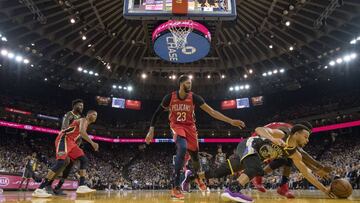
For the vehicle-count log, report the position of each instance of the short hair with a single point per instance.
(90, 112)
(307, 124)
(76, 101)
(299, 127)
(183, 78)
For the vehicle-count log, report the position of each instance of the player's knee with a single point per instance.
(84, 161)
(252, 172)
(58, 165)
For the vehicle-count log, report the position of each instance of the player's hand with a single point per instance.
(329, 193)
(278, 142)
(238, 123)
(149, 136)
(95, 146)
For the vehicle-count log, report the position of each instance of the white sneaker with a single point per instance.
(42, 193)
(83, 189)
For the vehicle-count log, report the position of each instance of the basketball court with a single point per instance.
(303, 196)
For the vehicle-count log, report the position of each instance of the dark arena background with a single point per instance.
(236, 62)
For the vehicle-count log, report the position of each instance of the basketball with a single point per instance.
(341, 188)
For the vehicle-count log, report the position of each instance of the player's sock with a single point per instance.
(284, 180)
(82, 181)
(59, 185)
(45, 183)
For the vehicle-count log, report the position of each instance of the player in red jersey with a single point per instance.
(66, 147)
(181, 105)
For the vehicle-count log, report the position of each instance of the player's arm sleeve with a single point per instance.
(164, 105)
(198, 100)
(66, 120)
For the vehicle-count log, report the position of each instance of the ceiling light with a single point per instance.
(125, 88)
(325, 67)
(4, 39)
(353, 41)
(129, 88)
(91, 72)
(83, 37)
(89, 45)
(4, 52)
(26, 61)
(242, 87)
(270, 46)
(191, 77)
(45, 79)
(245, 76)
(120, 87)
(247, 87)
(332, 63)
(173, 77)
(282, 70)
(269, 73)
(339, 60)
(223, 76)
(291, 48)
(80, 69)
(108, 67)
(18, 58)
(96, 74)
(11, 55)
(237, 88)
(250, 71)
(114, 86)
(231, 88)
(209, 76)
(358, 38)
(287, 23)
(353, 55)
(72, 21)
(32, 65)
(347, 58)
(143, 76)
(85, 71)
(275, 71)
(264, 74)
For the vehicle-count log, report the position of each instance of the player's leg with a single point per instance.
(252, 166)
(77, 153)
(181, 147)
(62, 147)
(65, 174)
(286, 164)
(60, 172)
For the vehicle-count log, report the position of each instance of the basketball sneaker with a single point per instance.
(176, 194)
(185, 184)
(83, 189)
(258, 183)
(42, 193)
(59, 192)
(201, 185)
(284, 191)
(236, 196)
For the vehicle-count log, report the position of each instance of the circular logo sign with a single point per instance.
(4, 181)
(196, 48)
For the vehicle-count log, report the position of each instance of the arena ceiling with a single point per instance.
(300, 36)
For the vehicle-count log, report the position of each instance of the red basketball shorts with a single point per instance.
(66, 147)
(187, 132)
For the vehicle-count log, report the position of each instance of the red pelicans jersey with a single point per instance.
(275, 125)
(181, 111)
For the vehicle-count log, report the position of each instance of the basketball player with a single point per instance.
(286, 164)
(29, 170)
(271, 144)
(66, 147)
(69, 117)
(181, 105)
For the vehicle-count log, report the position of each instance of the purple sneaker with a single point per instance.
(185, 184)
(235, 196)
